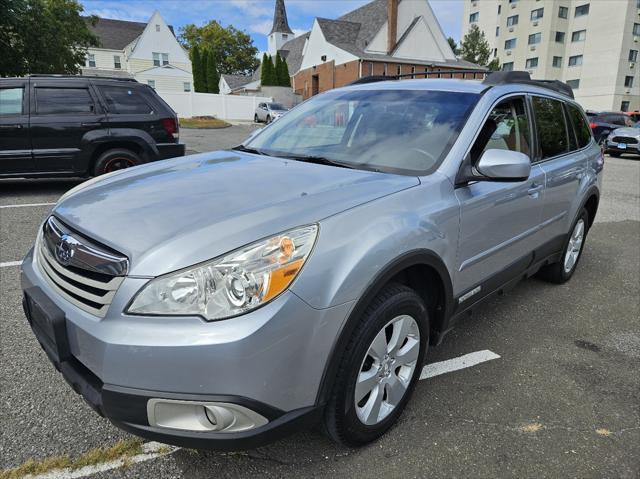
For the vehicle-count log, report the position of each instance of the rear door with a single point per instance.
(15, 143)
(561, 156)
(499, 220)
(64, 113)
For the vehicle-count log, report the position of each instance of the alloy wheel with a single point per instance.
(574, 247)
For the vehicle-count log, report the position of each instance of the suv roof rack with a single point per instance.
(507, 78)
(416, 75)
(88, 77)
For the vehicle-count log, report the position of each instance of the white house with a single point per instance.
(148, 52)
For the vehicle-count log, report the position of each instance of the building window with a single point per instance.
(513, 1)
(559, 37)
(285, 36)
(413, 72)
(628, 81)
(370, 69)
(152, 83)
(575, 60)
(91, 60)
(575, 84)
(624, 106)
(510, 44)
(160, 59)
(579, 36)
(473, 18)
(507, 67)
(497, 31)
(535, 38)
(157, 27)
(532, 62)
(186, 86)
(636, 29)
(500, 8)
(495, 53)
(385, 70)
(557, 62)
(116, 62)
(581, 10)
(537, 14)
(513, 20)
(633, 56)
(563, 12)
(399, 70)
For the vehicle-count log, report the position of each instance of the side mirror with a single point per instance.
(504, 165)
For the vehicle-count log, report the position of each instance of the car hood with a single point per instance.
(627, 131)
(172, 214)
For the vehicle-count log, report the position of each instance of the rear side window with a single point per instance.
(583, 133)
(63, 101)
(11, 101)
(125, 101)
(552, 129)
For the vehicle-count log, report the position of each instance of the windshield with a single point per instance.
(395, 131)
(277, 107)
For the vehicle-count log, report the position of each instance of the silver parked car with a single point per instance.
(623, 141)
(268, 112)
(224, 299)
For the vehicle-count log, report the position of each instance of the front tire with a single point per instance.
(256, 119)
(268, 119)
(116, 159)
(562, 271)
(380, 367)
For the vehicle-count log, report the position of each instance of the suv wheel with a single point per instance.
(379, 368)
(562, 271)
(256, 119)
(113, 160)
(268, 119)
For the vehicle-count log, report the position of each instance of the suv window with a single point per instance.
(11, 101)
(122, 100)
(583, 132)
(552, 128)
(63, 100)
(507, 128)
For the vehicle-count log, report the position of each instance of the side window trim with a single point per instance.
(572, 127)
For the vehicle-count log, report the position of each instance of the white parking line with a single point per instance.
(26, 205)
(10, 264)
(455, 364)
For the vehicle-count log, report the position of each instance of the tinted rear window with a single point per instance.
(63, 100)
(583, 132)
(11, 101)
(552, 130)
(123, 100)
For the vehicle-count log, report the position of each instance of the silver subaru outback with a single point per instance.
(225, 299)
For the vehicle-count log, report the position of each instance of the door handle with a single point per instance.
(11, 127)
(91, 124)
(535, 190)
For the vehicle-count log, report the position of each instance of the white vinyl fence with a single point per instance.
(225, 107)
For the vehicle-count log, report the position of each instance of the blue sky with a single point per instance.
(254, 16)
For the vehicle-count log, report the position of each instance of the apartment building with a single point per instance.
(593, 45)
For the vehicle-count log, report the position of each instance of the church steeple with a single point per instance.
(280, 32)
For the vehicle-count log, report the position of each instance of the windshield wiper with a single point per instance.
(246, 149)
(318, 160)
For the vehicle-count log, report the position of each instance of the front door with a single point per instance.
(15, 144)
(499, 220)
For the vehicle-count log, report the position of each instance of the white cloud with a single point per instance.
(264, 28)
(254, 8)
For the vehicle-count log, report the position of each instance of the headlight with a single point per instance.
(230, 285)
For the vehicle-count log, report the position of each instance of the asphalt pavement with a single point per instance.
(563, 399)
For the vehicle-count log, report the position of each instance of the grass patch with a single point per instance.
(121, 450)
(203, 122)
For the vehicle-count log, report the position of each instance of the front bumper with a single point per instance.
(271, 361)
(631, 148)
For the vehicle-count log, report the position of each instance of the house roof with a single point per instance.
(292, 52)
(280, 22)
(371, 18)
(237, 81)
(117, 34)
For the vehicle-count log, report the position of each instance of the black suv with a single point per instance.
(82, 126)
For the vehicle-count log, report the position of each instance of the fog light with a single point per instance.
(202, 416)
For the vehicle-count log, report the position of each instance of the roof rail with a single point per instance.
(429, 74)
(89, 77)
(506, 78)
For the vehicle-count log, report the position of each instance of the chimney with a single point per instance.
(392, 30)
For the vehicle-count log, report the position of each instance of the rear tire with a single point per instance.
(562, 271)
(381, 364)
(268, 120)
(116, 159)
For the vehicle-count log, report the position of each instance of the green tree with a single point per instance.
(213, 79)
(43, 36)
(198, 73)
(268, 75)
(282, 72)
(263, 69)
(494, 65)
(453, 45)
(233, 50)
(475, 47)
(205, 63)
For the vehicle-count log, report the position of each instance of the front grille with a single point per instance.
(624, 139)
(86, 276)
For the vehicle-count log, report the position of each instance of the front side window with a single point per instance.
(473, 18)
(532, 62)
(582, 10)
(511, 21)
(563, 12)
(405, 132)
(559, 37)
(537, 14)
(552, 129)
(575, 60)
(557, 62)
(580, 126)
(507, 128)
(535, 38)
(122, 100)
(116, 62)
(11, 101)
(579, 36)
(63, 101)
(91, 60)
(507, 67)
(510, 44)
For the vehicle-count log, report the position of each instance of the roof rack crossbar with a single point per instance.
(505, 78)
(90, 77)
(431, 73)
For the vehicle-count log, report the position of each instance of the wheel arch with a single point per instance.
(422, 270)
